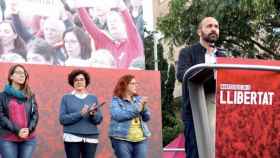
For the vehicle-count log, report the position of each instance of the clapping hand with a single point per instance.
(84, 110)
(92, 109)
(143, 102)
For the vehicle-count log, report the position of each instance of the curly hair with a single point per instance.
(122, 84)
(73, 74)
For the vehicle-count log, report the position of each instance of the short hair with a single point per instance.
(122, 84)
(73, 74)
(201, 22)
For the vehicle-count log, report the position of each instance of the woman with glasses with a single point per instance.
(18, 116)
(129, 114)
(80, 117)
(77, 47)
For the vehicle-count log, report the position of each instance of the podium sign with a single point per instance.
(248, 111)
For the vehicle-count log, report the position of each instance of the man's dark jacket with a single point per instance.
(189, 57)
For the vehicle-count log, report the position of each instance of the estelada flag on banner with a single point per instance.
(248, 111)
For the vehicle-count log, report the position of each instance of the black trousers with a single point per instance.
(80, 149)
(190, 140)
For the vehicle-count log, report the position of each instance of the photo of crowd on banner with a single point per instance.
(90, 33)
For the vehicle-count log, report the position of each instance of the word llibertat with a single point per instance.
(246, 97)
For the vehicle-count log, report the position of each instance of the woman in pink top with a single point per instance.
(124, 42)
(18, 116)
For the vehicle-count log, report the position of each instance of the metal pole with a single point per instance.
(155, 51)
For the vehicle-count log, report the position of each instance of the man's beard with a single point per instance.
(210, 38)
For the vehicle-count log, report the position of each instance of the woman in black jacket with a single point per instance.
(18, 116)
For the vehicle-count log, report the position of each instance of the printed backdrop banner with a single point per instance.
(50, 83)
(107, 34)
(39, 7)
(248, 111)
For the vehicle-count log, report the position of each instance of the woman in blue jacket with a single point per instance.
(79, 117)
(129, 113)
(18, 116)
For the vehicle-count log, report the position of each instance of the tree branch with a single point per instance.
(263, 47)
(235, 43)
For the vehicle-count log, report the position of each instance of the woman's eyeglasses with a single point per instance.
(79, 79)
(20, 73)
(134, 83)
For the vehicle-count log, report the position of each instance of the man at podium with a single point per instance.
(204, 51)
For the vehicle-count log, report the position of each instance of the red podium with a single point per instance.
(247, 102)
